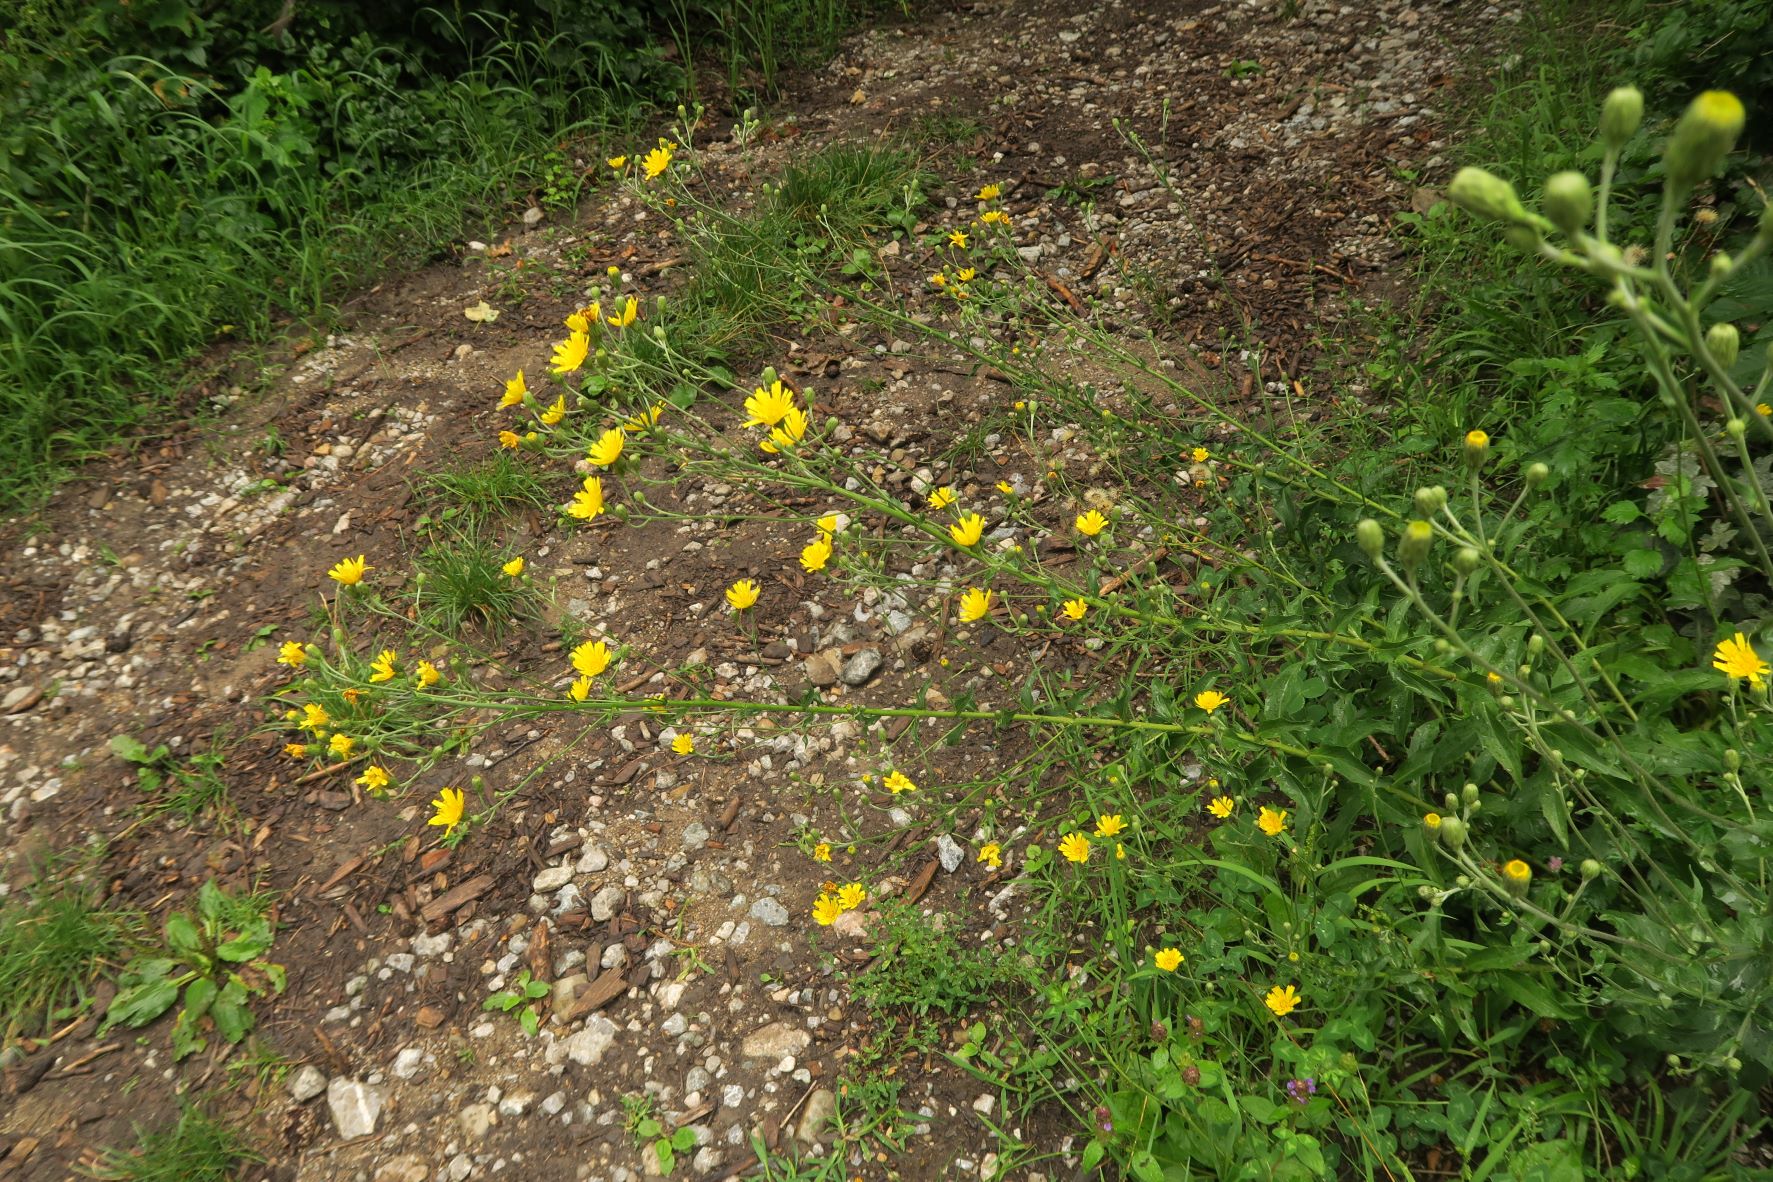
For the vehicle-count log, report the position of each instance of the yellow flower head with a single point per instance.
(580, 689)
(447, 809)
(349, 571)
(340, 745)
(292, 654)
(1517, 872)
(608, 448)
(815, 554)
(1075, 847)
(827, 525)
(626, 315)
(570, 354)
(296, 750)
(768, 407)
(374, 778)
(1272, 821)
(1168, 959)
(645, 418)
(1110, 824)
(315, 717)
(656, 162)
(509, 439)
(1282, 1000)
(966, 274)
(995, 217)
(942, 497)
(1221, 806)
(851, 896)
(555, 412)
(939, 279)
(899, 782)
(351, 694)
(591, 658)
(826, 910)
(990, 192)
(428, 675)
(1737, 658)
(742, 594)
(588, 501)
(991, 854)
(790, 431)
(515, 392)
(1006, 488)
(684, 743)
(514, 567)
(1431, 821)
(958, 238)
(1090, 524)
(822, 852)
(1201, 455)
(968, 530)
(1210, 700)
(617, 162)
(1763, 409)
(382, 668)
(1073, 609)
(974, 605)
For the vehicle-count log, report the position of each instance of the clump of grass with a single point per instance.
(924, 967)
(497, 486)
(848, 189)
(53, 946)
(462, 585)
(197, 1147)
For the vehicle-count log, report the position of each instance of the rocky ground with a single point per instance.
(663, 898)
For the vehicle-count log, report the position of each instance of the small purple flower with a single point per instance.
(1554, 864)
(1104, 1120)
(1301, 1089)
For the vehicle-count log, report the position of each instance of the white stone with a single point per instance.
(355, 1105)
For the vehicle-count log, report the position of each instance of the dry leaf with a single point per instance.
(483, 313)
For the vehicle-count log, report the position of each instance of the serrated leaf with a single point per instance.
(1622, 512)
(1641, 564)
(129, 748)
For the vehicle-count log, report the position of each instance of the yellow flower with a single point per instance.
(826, 910)
(340, 745)
(292, 654)
(1517, 872)
(591, 658)
(899, 782)
(974, 605)
(1221, 806)
(815, 554)
(827, 525)
(296, 750)
(1431, 821)
(789, 432)
(629, 311)
(768, 407)
(822, 852)
(958, 238)
(608, 448)
(1210, 700)
(578, 322)
(382, 668)
(580, 689)
(684, 743)
(1109, 824)
(1120, 851)
(1201, 455)
(1762, 409)
(315, 717)
(617, 162)
(514, 567)
(1090, 524)
(1737, 658)
(942, 497)
(995, 217)
(588, 501)
(447, 809)
(515, 392)
(351, 694)
(570, 353)
(428, 675)
(991, 854)
(742, 594)
(1168, 959)
(555, 412)
(1073, 609)
(1272, 821)
(1075, 847)
(1282, 1000)
(1006, 488)
(656, 162)
(990, 192)
(349, 571)
(965, 274)
(939, 279)
(851, 896)
(968, 530)
(374, 778)
(509, 439)
(645, 418)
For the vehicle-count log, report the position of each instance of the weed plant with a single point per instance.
(197, 1147)
(56, 940)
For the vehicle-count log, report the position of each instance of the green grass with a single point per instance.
(499, 486)
(197, 1147)
(55, 942)
(463, 587)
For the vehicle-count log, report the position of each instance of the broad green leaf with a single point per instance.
(142, 1004)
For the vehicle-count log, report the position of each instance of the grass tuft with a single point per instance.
(197, 1147)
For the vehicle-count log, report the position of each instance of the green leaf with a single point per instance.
(1622, 512)
(666, 1155)
(182, 935)
(1642, 564)
(529, 1020)
(501, 1001)
(649, 1127)
(536, 989)
(245, 946)
(130, 748)
(232, 1020)
(138, 1006)
(198, 996)
(684, 1139)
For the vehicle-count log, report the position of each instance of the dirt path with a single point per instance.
(663, 897)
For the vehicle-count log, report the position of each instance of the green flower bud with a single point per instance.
(1371, 537)
(770, 376)
(1506, 701)
(1451, 802)
(1462, 881)
(1467, 560)
(1537, 474)
(1477, 448)
(1724, 342)
(1568, 201)
(1621, 114)
(1737, 428)
(1412, 547)
(1732, 759)
(340, 639)
(1522, 238)
(1469, 792)
(1486, 195)
(1721, 266)
(1704, 135)
(1430, 501)
(1535, 644)
(1452, 833)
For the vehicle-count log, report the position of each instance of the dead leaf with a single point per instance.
(481, 313)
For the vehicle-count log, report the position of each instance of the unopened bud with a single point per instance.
(770, 375)
(1191, 1075)
(1704, 135)
(339, 639)
(1370, 537)
(1736, 427)
(1537, 474)
(1467, 560)
(1487, 195)
(1568, 201)
(1412, 546)
(1469, 792)
(1452, 833)
(1621, 114)
(1732, 759)
(1721, 266)
(1535, 644)
(1589, 868)
(1724, 342)
(1477, 448)
(1430, 501)
(1451, 801)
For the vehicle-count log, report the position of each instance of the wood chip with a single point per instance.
(609, 985)
(429, 1017)
(921, 882)
(438, 908)
(351, 866)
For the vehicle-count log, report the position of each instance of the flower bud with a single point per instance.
(1568, 201)
(1737, 427)
(1537, 475)
(1724, 342)
(1191, 1075)
(1732, 759)
(1535, 644)
(1589, 868)
(1703, 136)
(1467, 560)
(1451, 801)
(1452, 833)
(1431, 821)
(1721, 266)
(340, 639)
(1412, 547)
(1469, 793)
(1522, 238)
(1370, 537)
(1486, 195)
(1462, 881)
(1621, 114)
(1516, 876)
(770, 376)
(1477, 448)
(1430, 501)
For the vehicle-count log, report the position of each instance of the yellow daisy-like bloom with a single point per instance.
(608, 448)
(942, 497)
(1090, 524)
(588, 501)
(684, 743)
(515, 392)
(822, 852)
(1110, 824)
(296, 750)
(851, 896)
(742, 594)
(968, 530)
(790, 431)
(1737, 658)
(827, 525)
(1201, 455)
(1006, 488)
(1075, 847)
(899, 782)
(1210, 700)
(428, 675)
(815, 554)
(656, 162)
(374, 778)
(768, 407)
(514, 567)
(645, 418)
(1764, 410)
(826, 910)
(1282, 1000)
(579, 322)
(382, 668)
(991, 854)
(617, 162)
(555, 412)
(591, 658)
(1168, 959)
(1431, 821)
(1272, 821)
(1073, 609)
(349, 571)
(958, 238)
(1517, 872)
(509, 439)
(995, 217)
(580, 689)
(447, 809)
(292, 654)
(939, 279)
(966, 274)
(570, 354)
(1221, 806)
(351, 694)
(974, 605)
(630, 310)
(340, 745)
(1477, 439)
(990, 192)
(314, 717)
